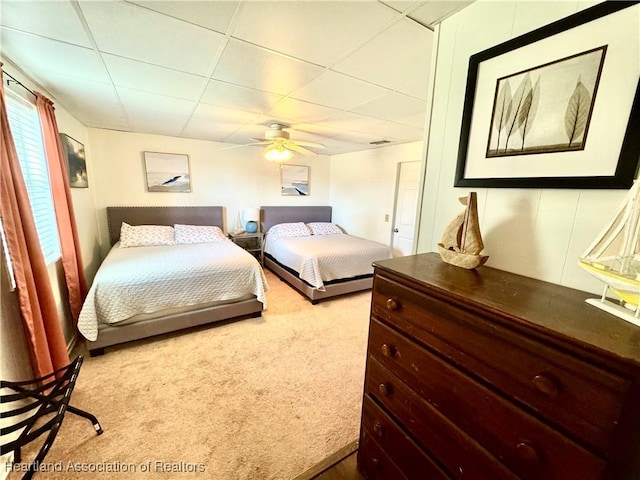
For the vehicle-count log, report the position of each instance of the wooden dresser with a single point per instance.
(489, 375)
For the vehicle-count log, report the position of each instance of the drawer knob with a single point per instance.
(384, 389)
(379, 429)
(546, 385)
(392, 304)
(527, 453)
(388, 350)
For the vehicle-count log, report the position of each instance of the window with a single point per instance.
(27, 136)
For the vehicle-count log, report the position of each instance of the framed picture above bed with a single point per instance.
(294, 180)
(167, 172)
(558, 107)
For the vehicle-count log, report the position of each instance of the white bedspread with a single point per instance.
(320, 258)
(138, 280)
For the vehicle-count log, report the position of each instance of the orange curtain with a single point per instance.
(58, 176)
(47, 345)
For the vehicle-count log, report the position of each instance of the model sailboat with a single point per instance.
(461, 242)
(614, 258)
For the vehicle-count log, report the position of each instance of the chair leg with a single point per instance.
(87, 415)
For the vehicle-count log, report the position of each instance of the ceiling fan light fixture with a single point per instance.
(277, 153)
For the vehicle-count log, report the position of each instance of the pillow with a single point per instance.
(198, 234)
(145, 235)
(324, 228)
(298, 229)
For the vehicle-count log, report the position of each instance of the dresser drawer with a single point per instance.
(524, 444)
(374, 463)
(457, 452)
(579, 397)
(409, 458)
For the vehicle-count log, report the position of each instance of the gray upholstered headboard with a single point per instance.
(271, 216)
(161, 216)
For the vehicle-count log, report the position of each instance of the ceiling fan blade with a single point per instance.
(309, 144)
(244, 145)
(262, 140)
(299, 149)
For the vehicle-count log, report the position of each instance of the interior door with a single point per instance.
(404, 218)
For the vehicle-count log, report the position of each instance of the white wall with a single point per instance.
(538, 233)
(363, 188)
(234, 178)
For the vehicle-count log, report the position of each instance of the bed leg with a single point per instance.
(256, 314)
(96, 352)
(315, 302)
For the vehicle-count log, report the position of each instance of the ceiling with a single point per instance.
(340, 73)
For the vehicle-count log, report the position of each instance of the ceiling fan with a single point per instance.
(280, 147)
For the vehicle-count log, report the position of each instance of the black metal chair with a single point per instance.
(39, 406)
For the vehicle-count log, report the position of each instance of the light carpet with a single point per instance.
(263, 398)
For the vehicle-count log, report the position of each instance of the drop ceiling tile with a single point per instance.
(130, 31)
(394, 58)
(153, 79)
(395, 131)
(338, 90)
(224, 115)
(319, 32)
(434, 11)
(305, 132)
(401, 5)
(144, 121)
(356, 137)
(106, 124)
(350, 121)
(334, 146)
(392, 106)
(37, 53)
(106, 116)
(78, 94)
(35, 17)
(300, 111)
(416, 120)
(245, 134)
(214, 15)
(233, 96)
(206, 129)
(109, 114)
(418, 89)
(256, 68)
(315, 130)
(136, 99)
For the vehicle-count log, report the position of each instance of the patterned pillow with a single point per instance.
(198, 234)
(298, 229)
(145, 235)
(324, 228)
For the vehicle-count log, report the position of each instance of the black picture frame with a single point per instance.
(73, 151)
(629, 156)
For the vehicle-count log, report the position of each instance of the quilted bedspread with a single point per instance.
(138, 280)
(320, 258)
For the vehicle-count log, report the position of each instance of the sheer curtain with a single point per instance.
(65, 218)
(47, 346)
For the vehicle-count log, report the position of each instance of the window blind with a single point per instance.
(27, 136)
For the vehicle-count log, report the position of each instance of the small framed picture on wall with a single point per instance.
(294, 180)
(167, 172)
(76, 162)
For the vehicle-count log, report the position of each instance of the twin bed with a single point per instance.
(147, 288)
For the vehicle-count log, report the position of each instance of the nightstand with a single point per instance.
(251, 242)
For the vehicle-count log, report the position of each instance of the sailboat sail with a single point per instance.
(614, 258)
(461, 241)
